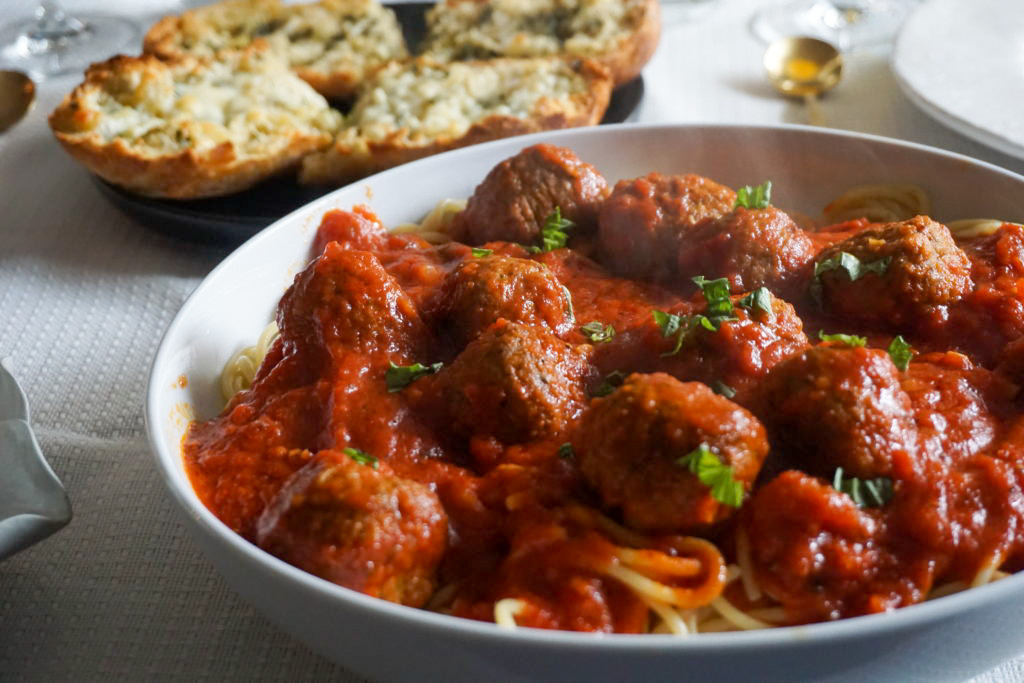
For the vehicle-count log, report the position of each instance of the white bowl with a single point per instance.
(947, 639)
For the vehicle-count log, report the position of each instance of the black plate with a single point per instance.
(235, 218)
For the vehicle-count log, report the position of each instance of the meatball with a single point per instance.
(358, 526)
(736, 357)
(906, 270)
(356, 229)
(630, 442)
(1011, 362)
(822, 557)
(833, 406)
(953, 404)
(964, 515)
(518, 194)
(751, 247)
(514, 382)
(345, 301)
(644, 221)
(482, 290)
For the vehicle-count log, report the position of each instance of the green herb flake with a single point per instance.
(715, 474)
(361, 457)
(756, 197)
(681, 326)
(597, 332)
(850, 340)
(669, 323)
(479, 252)
(399, 377)
(866, 493)
(673, 324)
(555, 232)
(853, 266)
(758, 300)
(565, 451)
(612, 381)
(901, 352)
(716, 294)
(722, 389)
(719, 309)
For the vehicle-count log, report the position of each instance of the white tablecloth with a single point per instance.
(85, 294)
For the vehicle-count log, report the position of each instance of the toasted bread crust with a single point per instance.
(186, 175)
(355, 155)
(291, 31)
(635, 50)
(205, 166)
(484, 29)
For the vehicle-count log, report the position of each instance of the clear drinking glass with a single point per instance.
(847, 24)
(55, 42)
(686, 10)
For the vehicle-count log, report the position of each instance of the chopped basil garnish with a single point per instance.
(900, 351)
(847, 339)
(722, 389)
(555, 233)
(854, 267)
(672, 324)
(680, 325)
(597, 332)
(479, 252)
(758, 300)
(399, 377)
(565, 451)
(361, 457)
(716, 294)
(715, 474)
(866, 493)
(612, 381)
(756, 197)
(719, 309)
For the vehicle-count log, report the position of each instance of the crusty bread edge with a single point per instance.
(159, 39)
(337, 85)
(634, 51)
(349, 160)
(187, 174)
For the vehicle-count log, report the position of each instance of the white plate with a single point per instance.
(962, 62)
(947, 639)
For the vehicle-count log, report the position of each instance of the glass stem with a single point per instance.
(53, 25)
(849, 12)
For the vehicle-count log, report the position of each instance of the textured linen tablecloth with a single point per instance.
(85, 295)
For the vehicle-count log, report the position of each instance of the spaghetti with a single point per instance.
(241, 368)
(436, 226)
(970, 228)
(878, 203)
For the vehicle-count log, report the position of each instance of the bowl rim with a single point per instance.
(918, 615)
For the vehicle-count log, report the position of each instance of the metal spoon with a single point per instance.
(804, 67)
(17, 93)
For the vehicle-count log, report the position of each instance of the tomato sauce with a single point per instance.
(494, 503)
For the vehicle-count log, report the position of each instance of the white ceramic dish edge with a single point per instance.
(253, 572)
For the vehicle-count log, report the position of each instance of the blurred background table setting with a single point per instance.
(87, 290)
